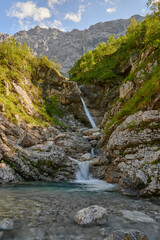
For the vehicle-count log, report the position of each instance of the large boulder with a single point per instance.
(92, 215)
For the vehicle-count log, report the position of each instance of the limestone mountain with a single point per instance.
(68, 47)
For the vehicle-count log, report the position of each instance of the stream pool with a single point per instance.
(43, 211)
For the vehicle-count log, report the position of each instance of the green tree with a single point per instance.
(154, 5)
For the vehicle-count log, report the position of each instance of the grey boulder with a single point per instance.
(92, 215)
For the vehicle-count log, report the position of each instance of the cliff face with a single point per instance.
(67, 47)
(132, 128)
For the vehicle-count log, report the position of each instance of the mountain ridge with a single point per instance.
(72, 44)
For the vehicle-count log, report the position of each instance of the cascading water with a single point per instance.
(88, 114)
(82, 175)
(83, 171)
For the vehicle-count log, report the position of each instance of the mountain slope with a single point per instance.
(67, 47)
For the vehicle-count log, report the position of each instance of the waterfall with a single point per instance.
(83, 171)
(92, 152)
(88, 114)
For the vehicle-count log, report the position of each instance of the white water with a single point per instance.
(92, 152)
(88, 114)
(84, 177)
(83, 171)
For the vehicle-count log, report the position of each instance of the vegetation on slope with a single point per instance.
(100, 64)
(106, 63)
(19, 66)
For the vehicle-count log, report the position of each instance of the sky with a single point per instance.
(16, 15)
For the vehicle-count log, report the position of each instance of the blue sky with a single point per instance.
(16, 15)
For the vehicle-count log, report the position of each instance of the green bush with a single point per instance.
(52, 106)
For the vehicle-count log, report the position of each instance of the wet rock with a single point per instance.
(73, 143)
(131, 235)
(7, 174)
(6, 224)
(91, 131)
(92, 215)
(134, 181)
(136, 216)
(86, 157)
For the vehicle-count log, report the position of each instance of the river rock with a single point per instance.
(136, 216)
(135, 180)
(130, 235)
(92, 215)
(6, 224)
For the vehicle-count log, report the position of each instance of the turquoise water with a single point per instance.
(46, 211)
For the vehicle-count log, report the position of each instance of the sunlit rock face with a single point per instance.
(70, 46)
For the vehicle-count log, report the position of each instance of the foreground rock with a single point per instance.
(92, 215)
(136, 216)
(131, 235)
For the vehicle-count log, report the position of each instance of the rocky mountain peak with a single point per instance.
(67, 47)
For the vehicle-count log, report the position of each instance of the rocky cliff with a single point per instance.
(132, 128)
(67, 47)
(39, 131)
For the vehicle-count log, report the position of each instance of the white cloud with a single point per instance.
(51, 3)
(29, 9)
(57, 24)
(111, 10)
(109, 1)
(75, 17)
